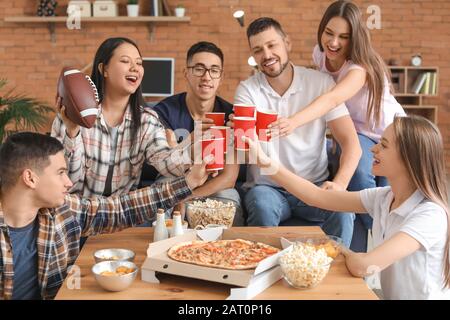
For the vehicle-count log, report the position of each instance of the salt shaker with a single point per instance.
(160, 230)
(177, 226)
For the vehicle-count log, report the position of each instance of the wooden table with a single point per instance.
(338, 284)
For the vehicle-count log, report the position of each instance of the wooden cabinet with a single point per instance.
(413, 85)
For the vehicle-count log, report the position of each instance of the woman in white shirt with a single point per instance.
(411, 217)
(345, 52)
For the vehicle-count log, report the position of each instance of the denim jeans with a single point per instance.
(363, 177)
(268, 206)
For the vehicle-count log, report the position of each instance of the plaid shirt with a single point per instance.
(89, 154)
(60, 229)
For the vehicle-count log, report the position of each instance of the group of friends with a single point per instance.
(79, 182)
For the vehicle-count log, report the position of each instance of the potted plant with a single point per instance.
(18, 112)
(133, 8)
(179, 11)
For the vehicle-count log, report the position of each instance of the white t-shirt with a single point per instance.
(418, 276)
(303, 151)
(357, 105)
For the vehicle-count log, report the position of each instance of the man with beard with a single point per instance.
(285, 88)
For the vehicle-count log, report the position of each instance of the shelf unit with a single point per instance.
(52, 21)
(403, 79)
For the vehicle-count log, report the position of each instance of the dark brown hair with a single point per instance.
(25, 150)
(262, 24)
(204, 46)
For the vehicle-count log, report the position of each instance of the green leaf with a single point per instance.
(19, 112)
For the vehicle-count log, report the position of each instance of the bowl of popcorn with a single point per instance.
(208, 211)
(113, 254)
(303, 266)
(115, 275)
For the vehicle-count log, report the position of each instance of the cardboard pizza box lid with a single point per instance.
(158, 260)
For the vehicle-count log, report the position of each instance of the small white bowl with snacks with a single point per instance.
(114, 254)
(115, 275)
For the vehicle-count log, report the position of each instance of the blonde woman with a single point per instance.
(410, 218)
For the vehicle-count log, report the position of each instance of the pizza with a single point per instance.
(235, 254)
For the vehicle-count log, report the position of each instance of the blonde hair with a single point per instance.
(420, 145)
(361, 53)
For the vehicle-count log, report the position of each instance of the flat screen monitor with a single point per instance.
(158, 77)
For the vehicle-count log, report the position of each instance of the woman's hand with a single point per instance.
(281, 127)
(72, 128)
(331, 185)
(256, 154)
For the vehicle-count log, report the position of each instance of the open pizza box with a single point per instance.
(251, 282)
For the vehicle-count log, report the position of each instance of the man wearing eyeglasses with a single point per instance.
(203, 74)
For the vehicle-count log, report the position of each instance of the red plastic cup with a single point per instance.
(243, 126)
(222, 132)
(263, 119)
(217, 117)
(213, 146)
(244, 110)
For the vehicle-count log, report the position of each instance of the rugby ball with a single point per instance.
(79, 95)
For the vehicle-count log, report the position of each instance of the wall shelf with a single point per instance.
(404, 80)
(51, 21)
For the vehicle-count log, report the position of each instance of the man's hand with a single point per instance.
(331, 185)
(72, 128)
(281, 127)
(206, 124)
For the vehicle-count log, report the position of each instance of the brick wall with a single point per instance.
(32, 62)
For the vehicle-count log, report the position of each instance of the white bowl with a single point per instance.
(303, 266)
(114, 282)
(114, 254)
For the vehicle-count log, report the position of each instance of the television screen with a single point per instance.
(158, 77)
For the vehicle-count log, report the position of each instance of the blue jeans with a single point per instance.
(363, 177)
(268, 206)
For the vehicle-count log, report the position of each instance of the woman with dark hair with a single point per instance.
(107, 159)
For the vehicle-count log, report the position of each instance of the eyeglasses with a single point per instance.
(199, 71)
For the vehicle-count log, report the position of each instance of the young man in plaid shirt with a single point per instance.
(41, 223)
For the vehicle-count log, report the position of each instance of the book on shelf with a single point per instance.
(418, 84)
(433, 89)
(425, 83)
